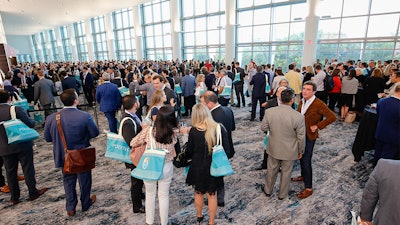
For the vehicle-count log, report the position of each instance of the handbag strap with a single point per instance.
(122, 124)
(219, 136)
(12, 112)
(60, 130)
(122, 85)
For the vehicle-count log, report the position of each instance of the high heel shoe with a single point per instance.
(199, 219)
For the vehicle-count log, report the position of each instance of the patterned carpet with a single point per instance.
(338, 183)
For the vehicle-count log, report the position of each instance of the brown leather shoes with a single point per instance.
(20, 178)
(92, 199)
(71, 213)
(5, 189)
(299, 178)
(38, 194)
(305, 193)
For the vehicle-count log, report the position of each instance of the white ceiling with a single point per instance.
(27, 17)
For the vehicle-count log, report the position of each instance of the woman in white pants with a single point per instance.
(165, 134)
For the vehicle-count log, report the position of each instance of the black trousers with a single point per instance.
(189, 102)
(11, 165)
(89, 96)
(254, 107)
(2, 179)
(240, 94)
(322, 95)
(136, 189)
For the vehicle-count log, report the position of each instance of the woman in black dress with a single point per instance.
(202, 139)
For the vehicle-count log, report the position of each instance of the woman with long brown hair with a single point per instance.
(165, 133)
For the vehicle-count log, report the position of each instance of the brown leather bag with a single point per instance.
(137, 152)
(79, 160)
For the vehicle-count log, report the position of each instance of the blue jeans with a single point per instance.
(305, 163)
(112, 121)
(85, 185)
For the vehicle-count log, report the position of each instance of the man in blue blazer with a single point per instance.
(109, 98)
(259, 82)
(387, 144)
(79, 127)
(87, 84)
(69, 81)
(17, 153)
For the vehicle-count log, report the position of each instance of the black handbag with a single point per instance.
(181, 160)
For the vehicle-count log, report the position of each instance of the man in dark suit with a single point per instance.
(239, 85)
(158, 84)
(259, 82)
(210, 79)
(382, 187)
(79, 127)
(387, 131)
(269, 104)
(109, 98)
(13, 154)
(223, 115)
(129, 131)
(27, 86)
(87, 84)
(69, 81)
(44, 91)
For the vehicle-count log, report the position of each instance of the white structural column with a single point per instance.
(73, 43)
(59, 44)
(89, 39)
(34, 56)
(49, 48)
(230, 27)
(109, 36)
(39, 47)
(3, 38)
(175, 29)
(137, 24)
(311, 34)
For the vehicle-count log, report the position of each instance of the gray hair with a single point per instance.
(105, 76)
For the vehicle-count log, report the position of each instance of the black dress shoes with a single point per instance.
(140, 210)
(221, 204)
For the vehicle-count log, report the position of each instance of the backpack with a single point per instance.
(328, 83)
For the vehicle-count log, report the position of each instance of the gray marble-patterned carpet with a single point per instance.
(338, 185)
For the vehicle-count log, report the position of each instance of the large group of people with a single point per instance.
(161, 93)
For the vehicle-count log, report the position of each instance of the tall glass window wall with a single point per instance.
(157, 30)
(203, 29)
(66, 43)
(80, 40)
(364, 29)
(99, 38)
(36, 49)
(270, 31)
(124, 34)
(44, 47)
(54, 46)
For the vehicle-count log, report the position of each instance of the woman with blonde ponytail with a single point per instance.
(202, 139)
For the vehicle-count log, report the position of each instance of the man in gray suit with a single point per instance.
(286, 142)
(44, 91)
(382, 186)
